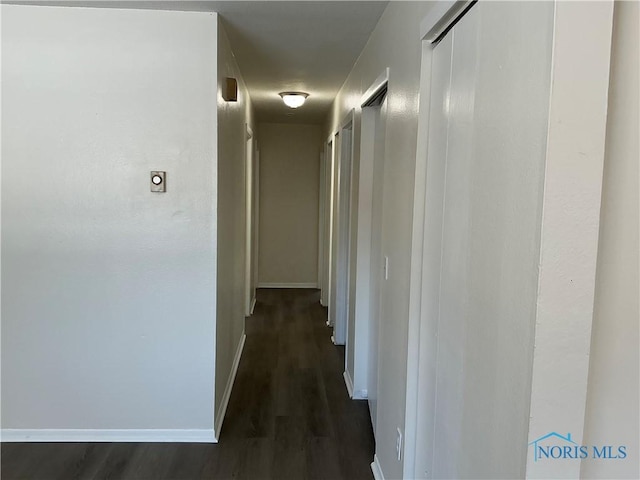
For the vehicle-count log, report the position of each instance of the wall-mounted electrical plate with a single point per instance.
(158, 181)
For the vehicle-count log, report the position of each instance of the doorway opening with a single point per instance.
(331, 239)
(251, 225)
(363, 301)
(342, 234)
(325, 219)
(369, 306)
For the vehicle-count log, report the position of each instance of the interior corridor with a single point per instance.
(307, 239)
(289, 416)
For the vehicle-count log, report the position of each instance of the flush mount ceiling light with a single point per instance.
(294, 99)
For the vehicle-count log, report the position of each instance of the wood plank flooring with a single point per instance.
(289, 416)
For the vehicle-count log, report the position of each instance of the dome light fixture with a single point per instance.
(294, 99)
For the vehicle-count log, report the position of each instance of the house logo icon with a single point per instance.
(556, 439)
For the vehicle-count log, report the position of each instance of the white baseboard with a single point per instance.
(217, 427)
(287, 285)
(375, 468)
(348, 382)
(107, 435)
(253, 304)
(353, 394)
(360, 394)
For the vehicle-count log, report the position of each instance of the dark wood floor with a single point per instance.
(289, 416)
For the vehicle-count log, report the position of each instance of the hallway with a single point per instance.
(289, 416)
(307, 239)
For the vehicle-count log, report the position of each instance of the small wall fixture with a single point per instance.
(158, 181)
(230, 90)
(294, 99)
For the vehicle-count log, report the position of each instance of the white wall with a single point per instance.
(108, 299)
(289, 192)
(612, 399)
(232, 120)
(395, 44)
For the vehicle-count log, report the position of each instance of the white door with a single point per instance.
(376, 263)
(487, 125)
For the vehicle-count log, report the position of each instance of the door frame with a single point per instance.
(326, 227)
(329, 212)
(344, 198)
(256, 224)
(357, 375)
(321, 223)
(249, 221)
(335, 192)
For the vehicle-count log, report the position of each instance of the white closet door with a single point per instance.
(435, 178)
(376, 272)
(487, 137)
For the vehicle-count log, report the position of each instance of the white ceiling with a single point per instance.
(282, 45)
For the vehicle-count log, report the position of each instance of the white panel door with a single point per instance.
(436, 167)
